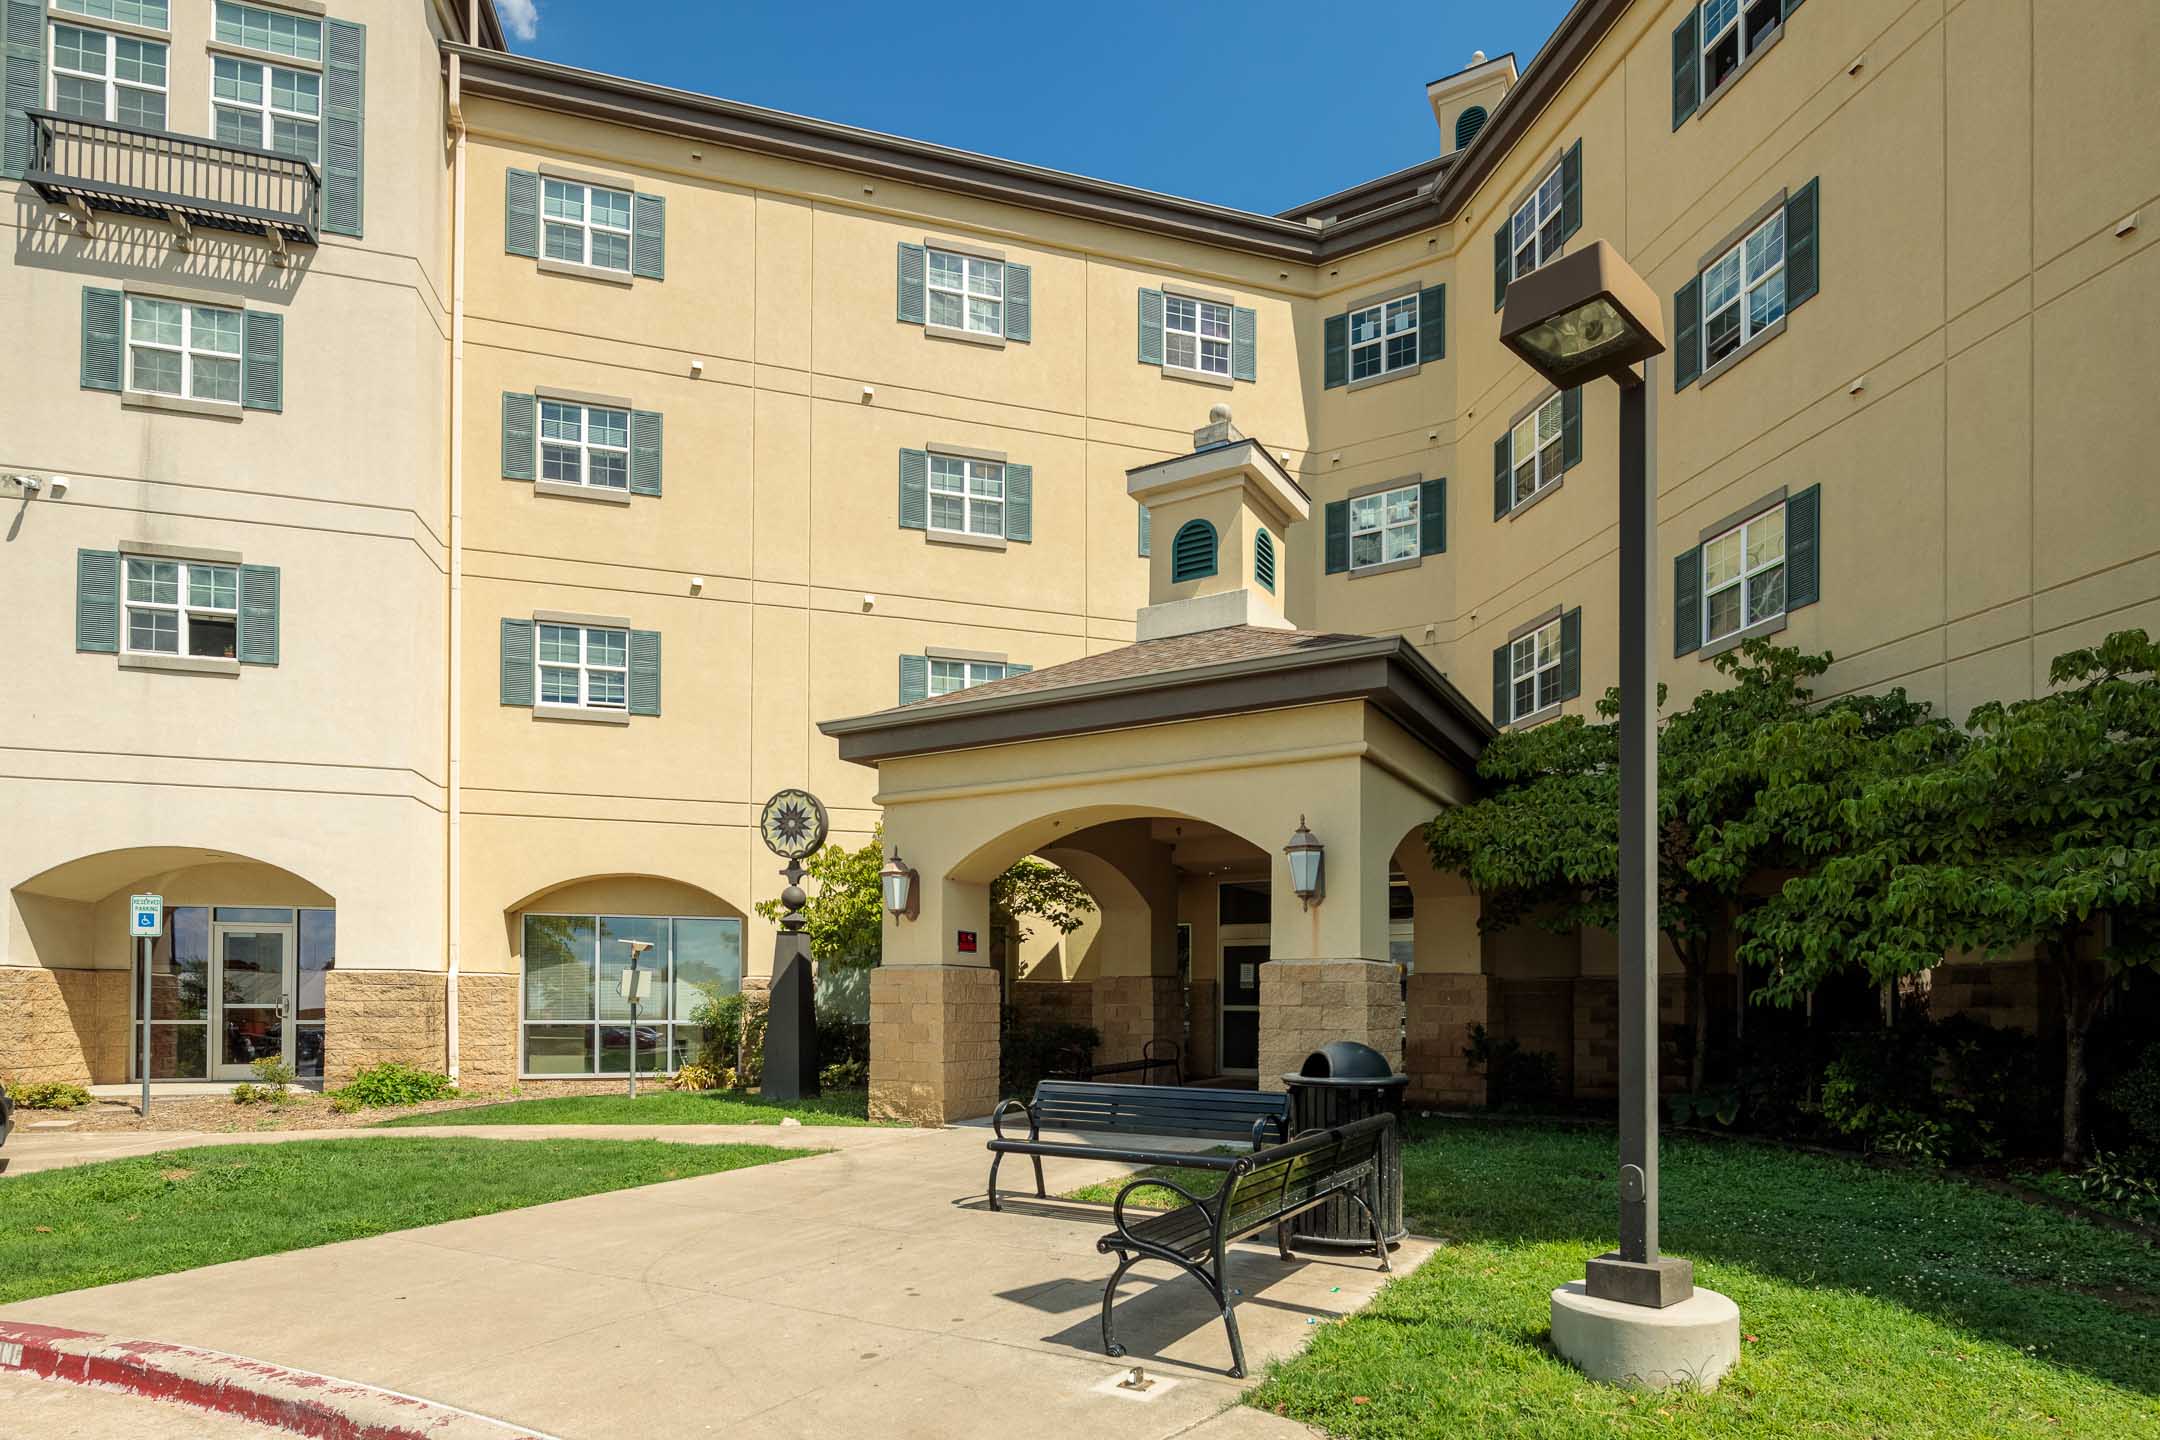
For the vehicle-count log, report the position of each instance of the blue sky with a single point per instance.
(1262, 105)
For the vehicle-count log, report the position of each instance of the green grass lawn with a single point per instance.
(659, 1107)
(118, 1220)
(1873, 1303)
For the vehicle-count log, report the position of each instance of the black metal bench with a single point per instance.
(1255, 1117)
(1268, 1188)
(1155, 1056)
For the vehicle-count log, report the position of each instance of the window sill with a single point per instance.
(564, 490)
(1197, 377)
(1538, 717)
(181, 664)
(179, 405)
(1381, 379)
(1740, 637)
(257, 57)
(580, 713)
(1361, 572)
(587, 272)
(970, 337)
(1762, 338)
(118, 27)
(1522, 505)
(965, 540)
(1725, 85)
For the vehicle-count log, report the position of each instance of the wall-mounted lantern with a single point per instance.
(899, 884)
(1306, 855)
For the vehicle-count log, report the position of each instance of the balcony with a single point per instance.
(187, 182)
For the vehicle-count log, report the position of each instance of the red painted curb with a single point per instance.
(296, 1401)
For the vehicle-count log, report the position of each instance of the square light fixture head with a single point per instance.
(1582, 316)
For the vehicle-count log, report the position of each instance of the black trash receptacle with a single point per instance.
(1340, 1082)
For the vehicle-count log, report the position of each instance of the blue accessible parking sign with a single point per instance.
(146, 915)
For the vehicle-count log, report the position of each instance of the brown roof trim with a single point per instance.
(1386, 672)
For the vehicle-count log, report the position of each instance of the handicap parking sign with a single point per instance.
(146, 915)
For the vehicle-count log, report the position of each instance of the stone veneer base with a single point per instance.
(374, 1016)
(1306, 1003)
(487, 1031)
(933, 1043)
(64, 1025)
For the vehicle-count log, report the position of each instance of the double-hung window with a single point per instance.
(967, 496)
(269, 107)
(1732, 31)
(1743, 574)
(585, 224)
(182, 607)
(1536, 229)
(1534, 671)
(584, 445)
(966, 292)
(584, 666)
(1384, 337)
(189, 351)
(1536, 445)
(947, 676)
(1384, 527)
(97, 76)
(1743, 291)
(1196, 334)
(274, 32)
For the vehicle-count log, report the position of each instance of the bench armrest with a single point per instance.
(997, 1118)
(1117, 1207)
(1269, 1130)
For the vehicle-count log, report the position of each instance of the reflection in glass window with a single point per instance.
(1744, 575)
(576, 1021)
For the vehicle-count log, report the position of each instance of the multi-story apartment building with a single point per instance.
(639, 432)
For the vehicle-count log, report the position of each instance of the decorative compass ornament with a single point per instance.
(793, 824)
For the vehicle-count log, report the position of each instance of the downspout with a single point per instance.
(453, 685)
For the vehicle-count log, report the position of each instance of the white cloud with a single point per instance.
(520, 17)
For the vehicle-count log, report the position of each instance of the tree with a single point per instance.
(2038, 829)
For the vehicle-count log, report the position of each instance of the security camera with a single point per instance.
(58, 485)
(29, 484)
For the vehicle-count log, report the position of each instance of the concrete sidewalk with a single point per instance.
(863, 1292)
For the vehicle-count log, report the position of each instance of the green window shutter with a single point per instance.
(103, 315)
(1146, 538)
(22, 81)
(1570, 428)
(1503, 264)
(914, 678)
(1193, 552)
(1687, 600)
(1686, 66)
(914, 489)
(521, 213)
(97, 601)
(1151, 327)
(1687, 331)
(262, 366)
(1019, 302)
(1019, 502)
(647, 434)
(644, 672)
(1335, 351)
(517, 440)
(258, 644)
(344, 125)
(1263, 561)
(1803, 247)
(1803, 548)
(1244, 343)
(1500, 686)
(1571, 191)
(1018, 669)
(1432, 517)
(1571, 654)
(1503, 475)
(1338, 537)
(517, 662)
(1432, 324)
(914, 263)
(648, 236)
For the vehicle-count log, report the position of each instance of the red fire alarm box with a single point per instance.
(967, 942)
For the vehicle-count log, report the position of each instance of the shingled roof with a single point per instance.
(1151, 657)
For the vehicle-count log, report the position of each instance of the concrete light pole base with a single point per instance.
(1691, 1343)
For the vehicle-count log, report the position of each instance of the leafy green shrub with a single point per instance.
(1513, 1075)
(49, 1095)
(1029, 1050)
(695, 1076)
(2123, 1182)
(2135, 1097)
(845, 1075)
(841, 1039)
(734, 1039)
(396, 1083)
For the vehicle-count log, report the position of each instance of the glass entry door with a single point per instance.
(253, 981)
(1242, 956)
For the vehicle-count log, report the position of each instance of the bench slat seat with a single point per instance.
(1079, 1107)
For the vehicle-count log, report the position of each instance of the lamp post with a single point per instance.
(1583, 317)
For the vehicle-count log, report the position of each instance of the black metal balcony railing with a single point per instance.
(127, 170)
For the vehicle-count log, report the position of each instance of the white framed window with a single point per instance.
(1743, 574)
(583, 665)
(1535, 229)
(275, 32)
(1384, 527)
(1384, 338)
(96, 76)
(967, 496)
(966, 292)
(1732, 31)
(269, 107)
(182, 607)
(1743, 291)
(584, 445)
(190, 351)
(1534, 671)
(946, 676)
(149, 13)
(1535, 448)
(1196, 334)
(585, 224)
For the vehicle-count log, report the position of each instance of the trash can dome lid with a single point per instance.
(1346, 1060)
